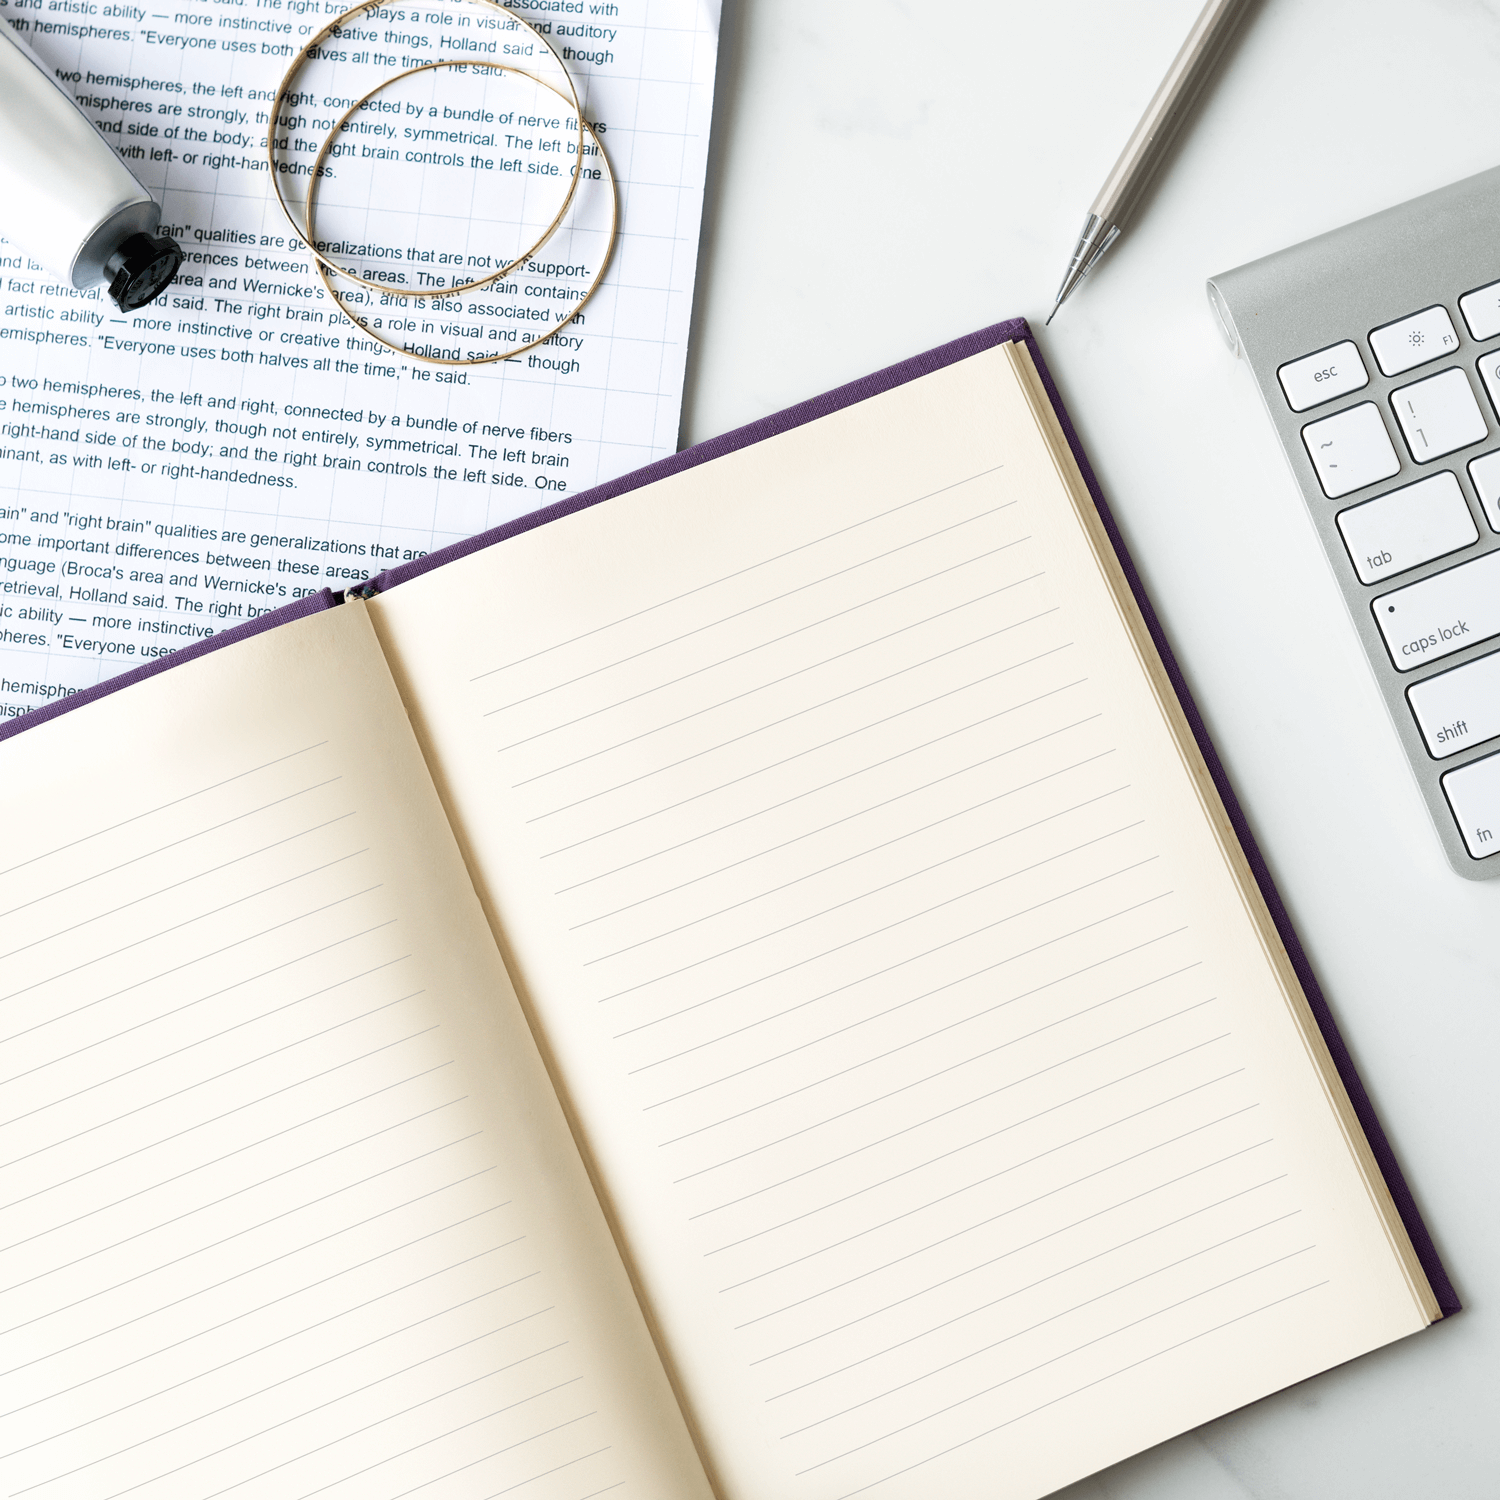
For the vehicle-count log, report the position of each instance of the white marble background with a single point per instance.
(888, 174)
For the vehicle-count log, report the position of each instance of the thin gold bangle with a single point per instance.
(324, 270)
(307, 237)
(328, 143)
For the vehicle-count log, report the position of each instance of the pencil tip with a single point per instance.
(1098, 235)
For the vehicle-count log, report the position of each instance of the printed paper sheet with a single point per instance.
(237, 444)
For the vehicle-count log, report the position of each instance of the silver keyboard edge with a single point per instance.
(1342, 285)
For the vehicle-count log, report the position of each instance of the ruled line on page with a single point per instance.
(836, 864)
(761, 645)
(593, 1493)
(1135, 1364)
(307, 1411)
(200, 917)
(698, 629)
(984, 1223)
(240, 1233)
(201, 999)
(103, 1166)
(738, 573)
(826, 786)
(815, 1083)
(961, 1062)
(1021, 1332)
(873, 1145)
(906, 875)
(214, 1036)
(895, 1432)
(914, 958)
(901, 921)
(285, 1296)
(532, 1479)
(779, 682)
(737, 614)
(360, 1473)
(770, 724)
(948, 1068)
(774, 848)
(178, 1218)
(237, 1214)
(358, 1432)
(111, 911)
(966, 1187)
(177, 843)
(163, 807)
(296, 1375)
(496, 1454)
(917, 1082)
(764, 686)
(982, 1182)
(813, 832)
(875, 1312)
(882, 931)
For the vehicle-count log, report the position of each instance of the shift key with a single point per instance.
(1441, 614)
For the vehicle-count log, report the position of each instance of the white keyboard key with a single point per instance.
(1441, 614)
(1350, 450)
(1409, 342)
(1481, 310)
(1489, 372)
(1484, 473)
(1438, 415)
(1407, 527)
(1457, 709)
(1320, 377)
(1473, 793)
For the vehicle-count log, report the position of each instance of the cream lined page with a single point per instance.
(940, 1083)
(289, 1208)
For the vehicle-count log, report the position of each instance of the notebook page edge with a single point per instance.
(1425, 1247)
(1218, 818)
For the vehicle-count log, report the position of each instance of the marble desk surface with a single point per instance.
(887, 175)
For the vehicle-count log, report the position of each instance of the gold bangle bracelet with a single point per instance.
(307, 237)
(325, 271)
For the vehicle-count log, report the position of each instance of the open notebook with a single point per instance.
(746, 989)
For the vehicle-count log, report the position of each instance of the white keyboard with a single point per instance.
(1377, 351)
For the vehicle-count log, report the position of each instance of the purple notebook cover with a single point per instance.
(1015, 330)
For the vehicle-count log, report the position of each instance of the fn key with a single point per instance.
(1473, 792)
